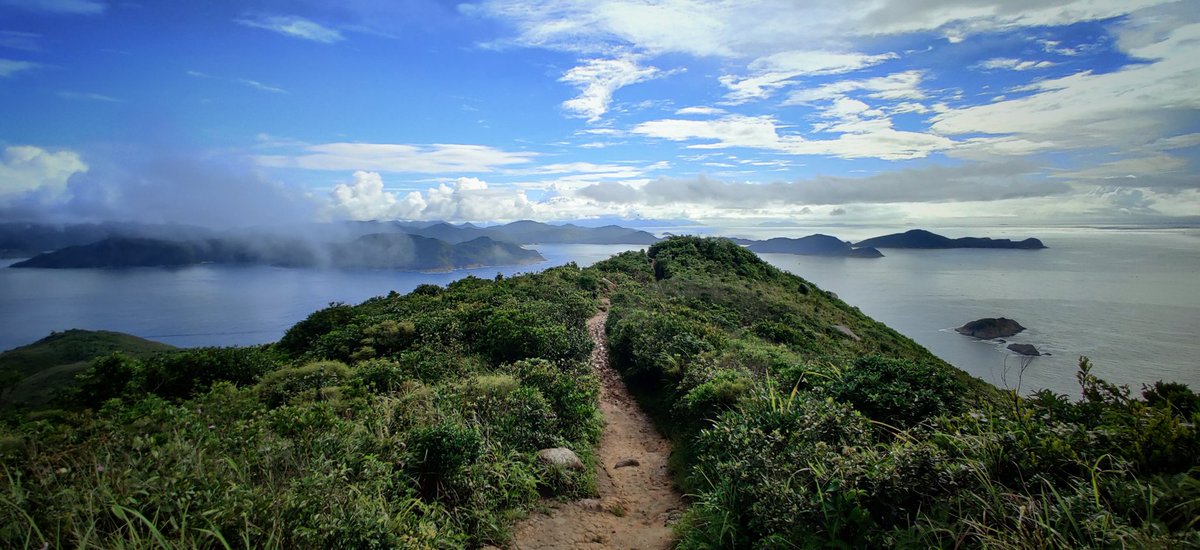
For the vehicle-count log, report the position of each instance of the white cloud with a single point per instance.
(25, 169)
(1012, 64)
(260, 86)
(66, 7)
(700, 110)
(874, 139)
(438, 158)
(10, 67)
(751, 28)
(895, 86)
(295, 27)
(464, 199)
(1125, 108)
(18, 40)
(87, 96)
(598, 79)
(775, 71)
(971, 182)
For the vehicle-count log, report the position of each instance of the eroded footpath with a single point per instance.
(637, 502)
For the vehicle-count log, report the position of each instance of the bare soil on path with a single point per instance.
(638, 501)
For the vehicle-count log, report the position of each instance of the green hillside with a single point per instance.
(32, 373)
(413, 421)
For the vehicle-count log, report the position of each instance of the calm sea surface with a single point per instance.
(1129, 299)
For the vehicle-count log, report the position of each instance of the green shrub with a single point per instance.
(303, 336)
(437, 456)
(108, 377)
(716, 391)
(572, 393)
(277, 387)
(181, 374)
(380, 376)
(898, 392)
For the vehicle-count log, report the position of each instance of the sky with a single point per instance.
(728, 112)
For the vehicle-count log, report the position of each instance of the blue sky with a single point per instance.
(888, 111)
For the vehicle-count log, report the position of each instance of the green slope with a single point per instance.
(50, 364)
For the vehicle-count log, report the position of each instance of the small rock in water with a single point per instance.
(1024, 349)
(626, 463)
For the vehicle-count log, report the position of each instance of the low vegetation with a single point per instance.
(790, 433)
(406, 421)
(414, 421)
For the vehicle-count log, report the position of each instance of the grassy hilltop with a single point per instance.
(413, 421)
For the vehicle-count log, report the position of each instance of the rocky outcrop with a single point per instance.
(845, 331)
(990, 328)
(1024, 349)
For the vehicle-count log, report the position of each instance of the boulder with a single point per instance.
(990, 328)
(1024, 349)
(845, 331)
(561, 457)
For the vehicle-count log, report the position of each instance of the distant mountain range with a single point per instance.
(419, 246)
(399, 251)
(22, 240)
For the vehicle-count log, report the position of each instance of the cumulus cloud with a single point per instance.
(295, 27)
(437, 158)
(144, 186)
(464, 199)
(598, 79)
(28, 170)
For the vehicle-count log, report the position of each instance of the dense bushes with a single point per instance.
(404, 422)
(792, 436)
(898, 392)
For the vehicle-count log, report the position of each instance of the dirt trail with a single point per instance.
(637, 502)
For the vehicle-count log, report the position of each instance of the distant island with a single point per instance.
(827, 245)
(920, 238)
(812, 245)
(399, 251)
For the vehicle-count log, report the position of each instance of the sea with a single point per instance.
(1127, 298)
